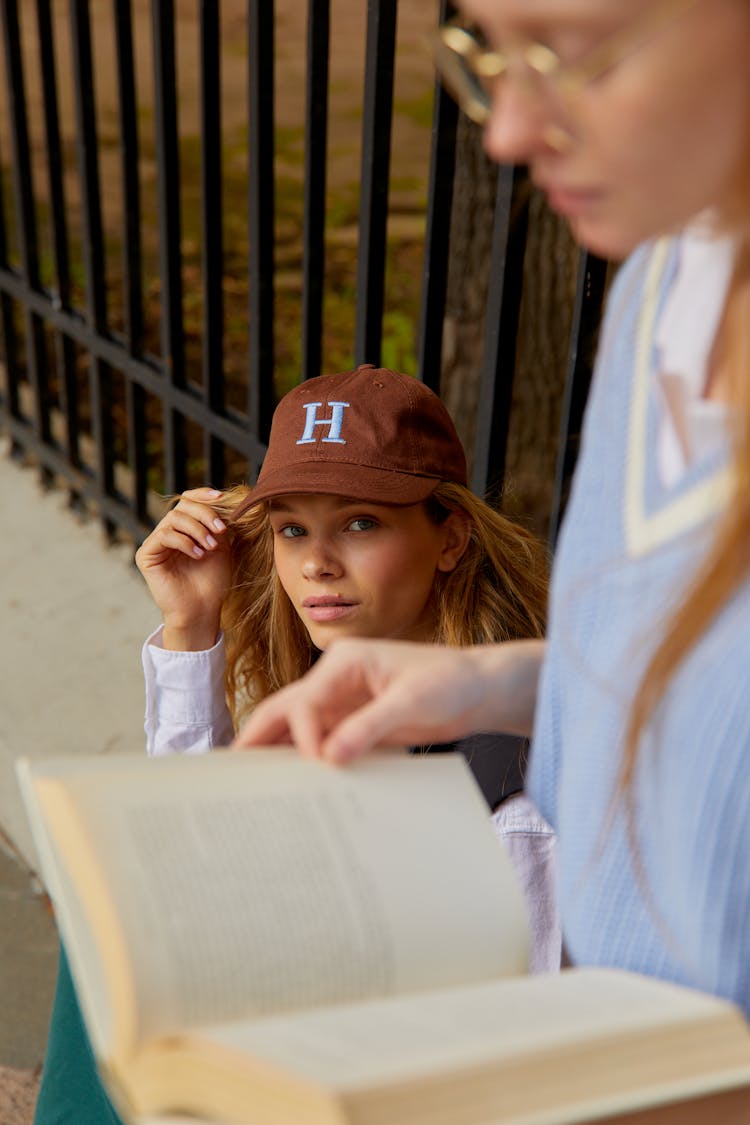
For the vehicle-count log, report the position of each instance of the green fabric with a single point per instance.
(70, 1092)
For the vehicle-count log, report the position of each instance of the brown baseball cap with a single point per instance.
(371, 433)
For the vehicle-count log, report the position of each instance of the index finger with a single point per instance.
(267, 726)
(292, 715)
(203, 495)
(375, 723)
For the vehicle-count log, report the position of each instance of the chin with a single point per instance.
(320, 641)
(615, 241)
(323, 638)
(605, 241)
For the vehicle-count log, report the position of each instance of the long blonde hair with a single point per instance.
(728, 563)
(497, 592)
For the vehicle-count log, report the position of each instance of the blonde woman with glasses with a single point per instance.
(634, 117)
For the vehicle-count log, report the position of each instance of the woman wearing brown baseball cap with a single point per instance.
(361, 524)
(361, 510)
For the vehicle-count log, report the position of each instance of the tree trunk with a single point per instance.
(549, 277)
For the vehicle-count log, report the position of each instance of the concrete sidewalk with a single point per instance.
(74, 615)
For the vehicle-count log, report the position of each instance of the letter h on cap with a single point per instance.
(334, 422)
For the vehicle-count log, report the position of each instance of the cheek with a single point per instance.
(676, 132)
(636, 133)
(641, 164)
(417, 575)
(281, 566)
(402, 575)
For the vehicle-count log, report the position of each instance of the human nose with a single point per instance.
(321, 561)
(518, 125)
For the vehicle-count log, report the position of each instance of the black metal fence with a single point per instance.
(103, 385)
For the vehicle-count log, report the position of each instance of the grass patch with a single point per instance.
(419, 110)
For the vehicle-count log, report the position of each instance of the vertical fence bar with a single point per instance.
(316, 132)
(376, 159)
(93, 245)
(48, 68)
(132, 278)
(213, 249)
(170, 258)
(88, 163)
(27, 231)
(587, 309)
(260, 217)
(439, 207)
(64, 350)
(132, 281)
(501, 332)
(8, 339)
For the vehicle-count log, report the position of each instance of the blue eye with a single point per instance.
(362, 523)
(292, 531)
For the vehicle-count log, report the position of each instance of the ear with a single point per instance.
(456, 532)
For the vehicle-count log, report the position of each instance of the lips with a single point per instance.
(569, 201)
(327, 609)
(325, 601)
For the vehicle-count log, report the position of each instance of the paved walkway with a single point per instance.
(74, 613)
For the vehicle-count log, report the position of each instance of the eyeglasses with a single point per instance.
(470, 70)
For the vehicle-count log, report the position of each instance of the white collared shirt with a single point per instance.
(186, 710)
(691, 426)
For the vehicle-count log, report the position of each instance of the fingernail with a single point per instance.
(210, 540)
(219, 524)
(198, 552)
(214, 493)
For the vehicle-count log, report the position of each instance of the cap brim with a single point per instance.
(360, 482)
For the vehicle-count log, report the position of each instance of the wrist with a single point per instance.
(195, 636)
(508, 676)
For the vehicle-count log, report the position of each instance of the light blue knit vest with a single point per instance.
(628, 549)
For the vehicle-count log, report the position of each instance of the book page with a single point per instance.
(600, 1041)
(94, 993)
(249, 883)
(398, 1038)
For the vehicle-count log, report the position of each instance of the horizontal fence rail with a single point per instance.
(159, 286)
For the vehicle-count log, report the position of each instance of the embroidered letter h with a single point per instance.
(333, 423)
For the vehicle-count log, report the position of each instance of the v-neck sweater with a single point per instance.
(677, 904)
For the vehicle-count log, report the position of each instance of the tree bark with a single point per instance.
(549, 277)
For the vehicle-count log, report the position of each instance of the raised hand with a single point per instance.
(185, 562)
(365, 693)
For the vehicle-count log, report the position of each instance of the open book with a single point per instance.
(256, 938)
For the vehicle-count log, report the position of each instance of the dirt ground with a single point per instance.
(18, 1090)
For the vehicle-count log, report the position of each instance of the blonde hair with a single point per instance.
(728, 563)
(497, 592)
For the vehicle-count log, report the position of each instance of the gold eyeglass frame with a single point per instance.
(463, 62)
